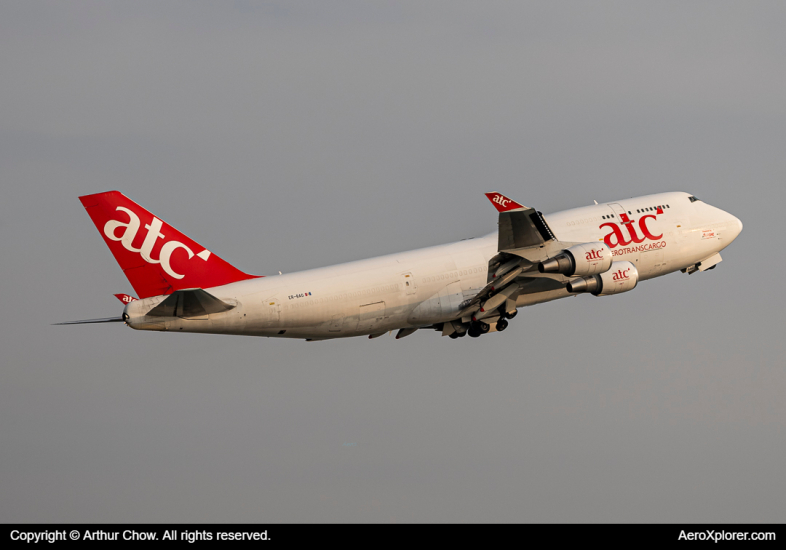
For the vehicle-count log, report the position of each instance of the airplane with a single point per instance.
(471, 287)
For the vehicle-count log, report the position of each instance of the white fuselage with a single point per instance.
(425, 287)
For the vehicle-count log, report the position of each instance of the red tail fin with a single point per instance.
(156, 257)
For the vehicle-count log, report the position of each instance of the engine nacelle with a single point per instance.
(622, 277)
(581, 259)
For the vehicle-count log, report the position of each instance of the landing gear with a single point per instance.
(476, 328)
(511, 315)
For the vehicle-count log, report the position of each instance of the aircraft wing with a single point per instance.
(524, 240)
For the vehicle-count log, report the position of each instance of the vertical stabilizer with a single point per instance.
(155, 257)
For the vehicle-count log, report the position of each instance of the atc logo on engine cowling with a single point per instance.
(621, 275)
(594, 255)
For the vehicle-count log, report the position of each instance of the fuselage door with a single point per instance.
(620, 214)
(272, 309)
(409, 283)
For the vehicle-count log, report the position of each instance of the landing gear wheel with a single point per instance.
(484, 327)
(502, 325)
(454, 335)
(473, 332)
(510, 315)
(461, 334)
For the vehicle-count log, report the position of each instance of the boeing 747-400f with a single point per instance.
(470, 287)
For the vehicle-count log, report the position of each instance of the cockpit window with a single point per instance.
(693, 199)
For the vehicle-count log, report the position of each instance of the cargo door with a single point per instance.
(651, 263)
(371, 316)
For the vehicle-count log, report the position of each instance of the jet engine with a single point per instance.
(581, 259)
(622, 277)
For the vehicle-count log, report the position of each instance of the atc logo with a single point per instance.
(594, 255)
(131, 228)
(616, 237)
(502, 201)
(621, 275)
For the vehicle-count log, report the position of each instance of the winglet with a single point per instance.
(503, 203)
(125, 298)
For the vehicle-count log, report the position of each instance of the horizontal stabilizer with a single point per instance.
(193, 302)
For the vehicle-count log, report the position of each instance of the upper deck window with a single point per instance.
(693, 199)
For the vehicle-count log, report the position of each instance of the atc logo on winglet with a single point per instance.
(503, 203)
(125, 298)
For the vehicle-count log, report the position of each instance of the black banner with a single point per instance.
(85, 534)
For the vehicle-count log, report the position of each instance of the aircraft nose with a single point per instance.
(736, 227)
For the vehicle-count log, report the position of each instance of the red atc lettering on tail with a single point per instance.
(153, 234)
(156, 258)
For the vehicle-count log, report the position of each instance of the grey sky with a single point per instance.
(291, 135)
